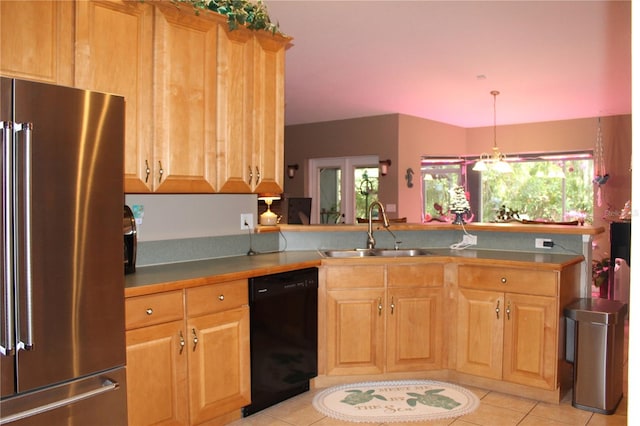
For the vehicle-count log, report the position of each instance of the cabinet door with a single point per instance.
(185, 100)
(355, 331)
(530, 340)
(157, 375)
(121, 63)
(480, 333)
(236, 171)
(414, 330)
(219, 363)
(36, 40)
(268, 107)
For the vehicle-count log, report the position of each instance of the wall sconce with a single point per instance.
(268, 218)
(291, 170)
(384, 167)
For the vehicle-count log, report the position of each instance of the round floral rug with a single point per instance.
(396, 401)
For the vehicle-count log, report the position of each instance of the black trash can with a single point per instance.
(595, 346)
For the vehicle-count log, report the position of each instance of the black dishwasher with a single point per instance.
(284, 336)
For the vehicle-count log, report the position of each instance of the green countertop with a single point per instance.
(153, 279)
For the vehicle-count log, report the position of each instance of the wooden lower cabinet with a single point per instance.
(219, 366)
(355, 331)
(505, 335)
(188, 355)
(157, 375)
(384, 328)
(414, 330)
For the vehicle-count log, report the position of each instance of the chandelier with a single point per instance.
(496, 160)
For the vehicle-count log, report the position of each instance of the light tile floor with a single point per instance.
(495, 409)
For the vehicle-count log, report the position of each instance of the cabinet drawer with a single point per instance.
(341, 277)
(141, 311)
(217, 297)
(526, 281)
(415, 275)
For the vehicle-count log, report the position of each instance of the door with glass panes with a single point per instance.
(342, 188)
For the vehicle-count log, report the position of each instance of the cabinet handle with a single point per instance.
(508, 310)
(147, 170)
(498, 309)
(503, 280)
(257, 175)
(195, 338)
(221, 297)
(250, 175)
(392, 306)
(161, 172)
(182, 342)
(149, 311)
(380, 306)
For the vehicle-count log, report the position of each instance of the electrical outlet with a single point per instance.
(246, 221)
(470, 239)
(544, 243)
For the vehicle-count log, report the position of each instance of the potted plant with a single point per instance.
(600, 274)
(252, 14)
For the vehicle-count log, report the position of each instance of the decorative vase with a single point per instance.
(459, 220)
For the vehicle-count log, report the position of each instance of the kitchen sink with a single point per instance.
(410, 252)
(403, 252)
(348, 253)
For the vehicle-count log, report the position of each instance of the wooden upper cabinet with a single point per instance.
(36, 40)
(236, 170)
(185, 100)
(114, 53)
(250, 111)
(268, 105)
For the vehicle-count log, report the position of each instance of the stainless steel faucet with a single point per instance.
(371, 241)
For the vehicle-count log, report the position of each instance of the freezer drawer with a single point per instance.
(97, 400)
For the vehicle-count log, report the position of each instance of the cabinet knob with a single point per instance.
(149, 311)
(221, 297)
(503, 280)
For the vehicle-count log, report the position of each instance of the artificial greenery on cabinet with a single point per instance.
(251, 14)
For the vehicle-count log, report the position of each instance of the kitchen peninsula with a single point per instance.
(450, 297)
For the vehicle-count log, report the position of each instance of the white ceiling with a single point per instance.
(550, 60)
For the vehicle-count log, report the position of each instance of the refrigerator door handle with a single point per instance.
(26, 342)
(106, 386)
(7, 340)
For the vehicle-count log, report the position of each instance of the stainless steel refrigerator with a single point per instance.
(62, 339)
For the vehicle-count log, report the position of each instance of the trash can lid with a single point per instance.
(603, 311)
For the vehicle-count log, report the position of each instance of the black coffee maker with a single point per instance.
(130, 241)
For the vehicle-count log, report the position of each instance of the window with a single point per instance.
(555, 187)
(439, 176)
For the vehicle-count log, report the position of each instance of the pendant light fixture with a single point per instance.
(496, 160)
